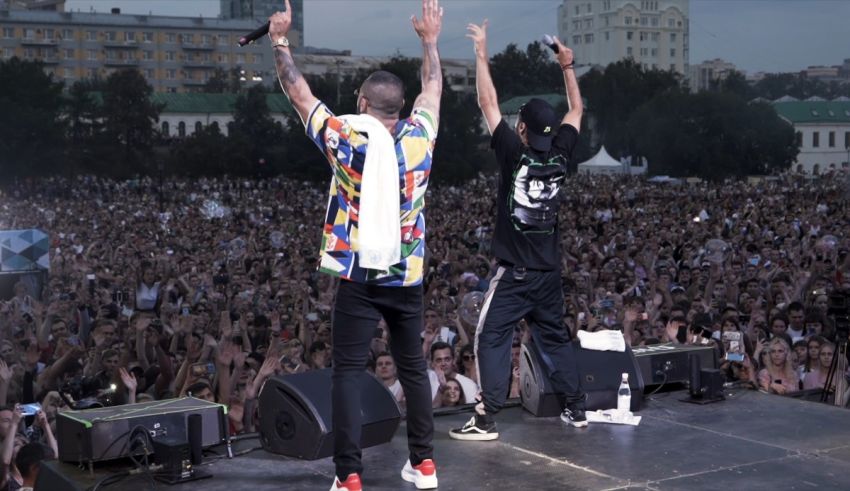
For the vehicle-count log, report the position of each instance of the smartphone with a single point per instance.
(203, 369)
(289, 362)
(30, 409)
(184, 311)
(74, 340)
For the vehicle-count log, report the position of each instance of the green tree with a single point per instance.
(129, 118)
(84, 127)
(30, 122)
(224, 81)
(205, 152)
(533, 71)
(614, 94)
(254, 136)
(736, 83)
(711, 135)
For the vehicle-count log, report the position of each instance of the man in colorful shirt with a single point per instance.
(366, 295)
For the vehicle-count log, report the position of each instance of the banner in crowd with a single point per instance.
(24, 250)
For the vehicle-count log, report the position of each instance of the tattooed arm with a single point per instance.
(291, 80)
(428, 29)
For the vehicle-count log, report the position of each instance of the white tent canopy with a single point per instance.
(602, 163)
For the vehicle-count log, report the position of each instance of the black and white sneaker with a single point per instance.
(574, 416)
(479, 428)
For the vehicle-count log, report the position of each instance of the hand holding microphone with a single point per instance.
(277, 28)
(563, 53)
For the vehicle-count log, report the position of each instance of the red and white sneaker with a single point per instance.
(424, 475)
(352, 483)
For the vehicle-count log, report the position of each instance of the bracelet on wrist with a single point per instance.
(571, 65)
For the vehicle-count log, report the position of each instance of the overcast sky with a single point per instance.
(756, 35)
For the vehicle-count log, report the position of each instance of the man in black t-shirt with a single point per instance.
(533, 162)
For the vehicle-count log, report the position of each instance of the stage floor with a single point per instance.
(750, 441)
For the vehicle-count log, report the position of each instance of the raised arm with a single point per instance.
(567, 62)
(428, 30)
(291, 80)
(488, 101)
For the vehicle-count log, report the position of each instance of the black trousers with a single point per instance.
(537, 296)
(357, 311)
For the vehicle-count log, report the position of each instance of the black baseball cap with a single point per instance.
(539, 117)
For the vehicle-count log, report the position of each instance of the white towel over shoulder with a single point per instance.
(378, 245)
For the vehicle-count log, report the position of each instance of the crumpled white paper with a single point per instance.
(613, 416)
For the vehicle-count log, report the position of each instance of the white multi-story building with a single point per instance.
(823, 131)
(701, 76)
(652, 32)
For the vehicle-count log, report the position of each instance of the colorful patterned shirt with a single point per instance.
(345, 150)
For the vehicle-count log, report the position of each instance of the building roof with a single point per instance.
(214, 103)
(813, 111)
(203, 103)
(511, 106)
(128, 20)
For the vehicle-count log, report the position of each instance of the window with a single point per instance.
(672, 37)
(198, 127)
(91, 35)
(170, 74)
(799, 138)
(8, 32)
(181, 129)
(644, 51)
(671, 22)
(643, 36)
(240, 59)
(654, 22)
(577, 39)
(111, 36)
(147, 37)
(672, 52)
(847, 139)
(578, 11)
(8, 52)
(222, 39)
(49, 34)
(629, 51)
(69, 73)
(588, 38)
(654, 52)
(644, 20)
(147, 55)
(67, 34)
(630, 35)
(149, 74)
(165, 130)
(169, 56)
(589, 8)
(29, 33)
(91, 73)
(628, 20)
(831, 139)
(588, 23)
(205, 39)
(110, 55)
(815, 139)
(655, 36)
(188, 38)
(170, 37)
(607, 36)
(69, 54)
(672, 67)
(222, 57)
(130, 37)
(92, 54)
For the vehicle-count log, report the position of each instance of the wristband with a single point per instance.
(571, 65)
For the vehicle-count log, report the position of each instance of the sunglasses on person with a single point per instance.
(468, 357)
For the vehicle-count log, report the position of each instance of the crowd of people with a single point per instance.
(207, 287)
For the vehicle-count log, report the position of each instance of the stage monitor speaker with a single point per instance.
(93, 435)
(669, 363)
(600, 374)
(295, 414)
(51, 478)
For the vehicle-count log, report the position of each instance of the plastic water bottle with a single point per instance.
(624, 395)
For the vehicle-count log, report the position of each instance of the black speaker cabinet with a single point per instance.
(295, 414)
(600, 373)
(51, 478)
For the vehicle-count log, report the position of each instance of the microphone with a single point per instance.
(549, 41)
(254, 35)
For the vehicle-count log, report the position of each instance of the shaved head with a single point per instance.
(383, 93)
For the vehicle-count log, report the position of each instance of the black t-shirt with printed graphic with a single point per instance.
(527, 217)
